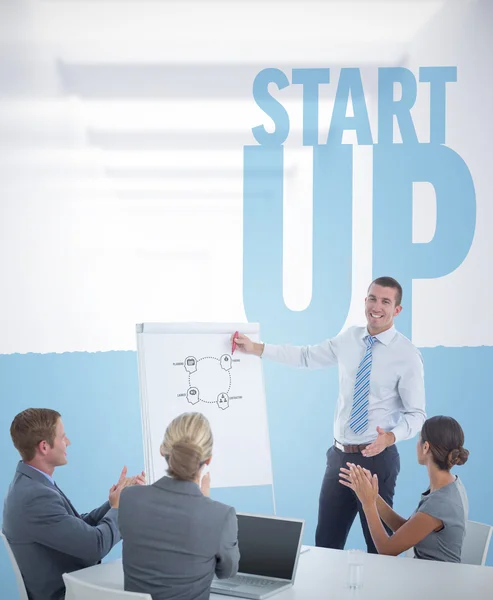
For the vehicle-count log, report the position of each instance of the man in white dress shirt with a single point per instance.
(381, 401)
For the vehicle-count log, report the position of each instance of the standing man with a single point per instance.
(381, 401)
(47, 535)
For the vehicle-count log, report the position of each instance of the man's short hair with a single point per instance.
(32, 426)
(390, 282)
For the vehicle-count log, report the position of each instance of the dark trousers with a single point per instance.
(339, 505)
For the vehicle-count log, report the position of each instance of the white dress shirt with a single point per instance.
(397, 393)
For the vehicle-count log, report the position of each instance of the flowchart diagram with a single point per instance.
(192, 366)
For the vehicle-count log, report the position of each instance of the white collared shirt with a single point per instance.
(397, 393)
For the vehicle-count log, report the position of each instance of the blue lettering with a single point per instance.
(271, 107)
(350, 83)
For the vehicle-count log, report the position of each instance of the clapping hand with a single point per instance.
(123, 482)
(139, 479)
(361, 481)
(205, 484)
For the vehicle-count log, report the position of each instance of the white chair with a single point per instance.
(476, 543)
(80, 590)
(18, 577)
(475, 546)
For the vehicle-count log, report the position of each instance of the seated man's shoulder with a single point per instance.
(32, 492)
(26, 500)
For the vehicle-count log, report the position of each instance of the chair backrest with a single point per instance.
(476, 543)
(81, 590)
(18, 576)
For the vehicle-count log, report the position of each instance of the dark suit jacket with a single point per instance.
(175, 539)
(48, 536)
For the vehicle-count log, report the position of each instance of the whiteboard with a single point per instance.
(189, 367)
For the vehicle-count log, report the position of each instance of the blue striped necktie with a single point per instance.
(358, 419)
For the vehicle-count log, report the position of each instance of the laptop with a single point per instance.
(269, 551)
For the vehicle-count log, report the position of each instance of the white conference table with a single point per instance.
(323, 574)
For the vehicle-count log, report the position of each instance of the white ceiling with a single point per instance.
(124, 84)
(226, 32)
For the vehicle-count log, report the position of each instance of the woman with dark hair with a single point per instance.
(436, 529)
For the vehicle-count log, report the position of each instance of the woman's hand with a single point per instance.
(362, 482)
(205, 484)
(345, 472)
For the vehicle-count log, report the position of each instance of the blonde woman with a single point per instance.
(175, 538)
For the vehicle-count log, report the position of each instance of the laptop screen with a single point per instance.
(268, 545)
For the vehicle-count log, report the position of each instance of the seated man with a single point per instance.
(47, 535)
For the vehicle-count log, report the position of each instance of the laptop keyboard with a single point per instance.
(245, 580)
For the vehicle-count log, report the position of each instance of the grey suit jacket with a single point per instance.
(48, 536)
(175, 539)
